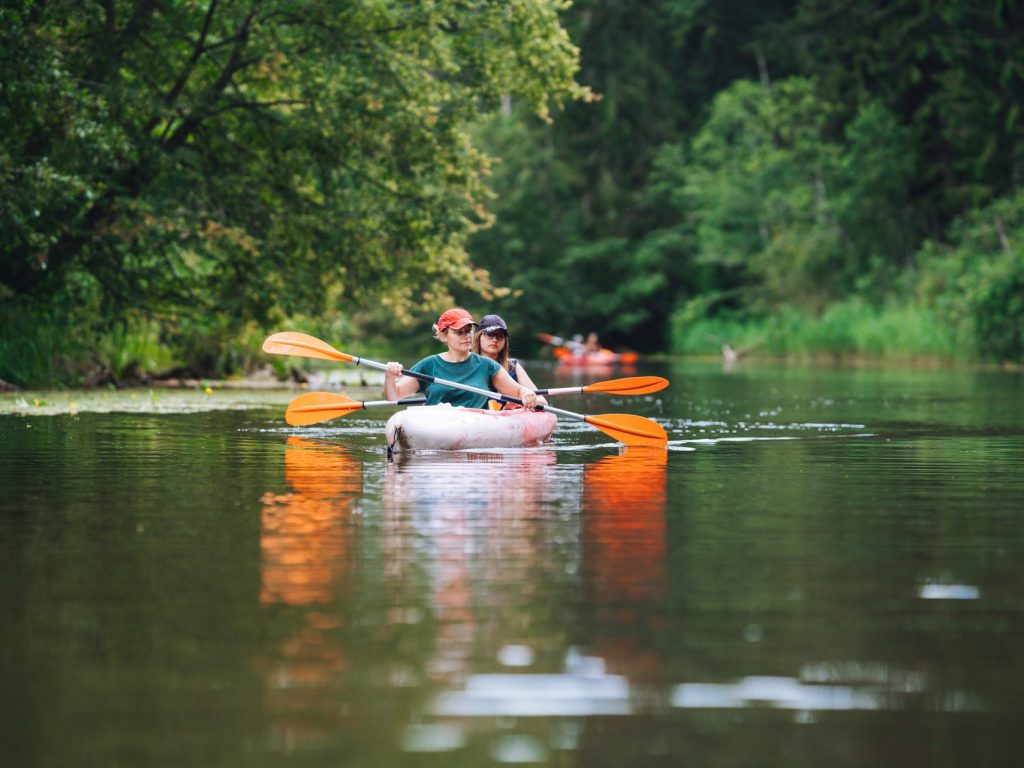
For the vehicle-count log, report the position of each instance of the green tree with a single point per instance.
(790, 205)
(952, 72)
(976, 279)
(239, 160)
(580, 236)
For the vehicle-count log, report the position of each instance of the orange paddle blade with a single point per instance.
(302, 345)
(631, 385)
(630, 429)
(315, 407)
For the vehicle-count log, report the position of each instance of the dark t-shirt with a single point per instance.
(513, 370)
(477, 371)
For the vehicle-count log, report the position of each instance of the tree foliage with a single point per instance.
(597, 247)
(218, 161)
(976, 278)
(249, 159)
(752, 156)
(783, 207)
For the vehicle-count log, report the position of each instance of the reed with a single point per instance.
(32, 353)
(852, 328)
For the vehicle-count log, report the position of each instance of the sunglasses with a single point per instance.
(463, 331)
(494, 334)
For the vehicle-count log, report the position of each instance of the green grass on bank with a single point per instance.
(849, 329)
(39, 350)
(35, 353)
(46, 348)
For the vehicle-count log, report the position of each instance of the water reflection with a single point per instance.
(480, 529)
(304, 536)
(618, 569)
(793, 694)
(503, 599)
(305, 542)
(624, 557)
(624, 526)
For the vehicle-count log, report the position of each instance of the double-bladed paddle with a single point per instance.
(624, 427)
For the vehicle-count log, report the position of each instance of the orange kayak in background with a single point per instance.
(600, 357)
(573, 353)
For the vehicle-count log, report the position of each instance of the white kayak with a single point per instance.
(447, 428)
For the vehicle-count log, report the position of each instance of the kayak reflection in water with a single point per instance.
(492, 341)
(458, 363)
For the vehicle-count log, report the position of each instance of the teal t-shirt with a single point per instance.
(477, 371)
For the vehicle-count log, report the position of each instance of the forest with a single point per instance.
(798, 178)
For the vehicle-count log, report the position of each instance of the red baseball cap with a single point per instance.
(454, 318)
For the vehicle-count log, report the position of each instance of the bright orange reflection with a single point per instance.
(304, 538)
(305, 541)
(624, 550)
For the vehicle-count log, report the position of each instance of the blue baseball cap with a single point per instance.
(490, 322)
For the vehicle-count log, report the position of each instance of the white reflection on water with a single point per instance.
(790, 693)
(515, 655)
(543, 695)
(934, 591)
(590, 691)
(585, 689)
(433, 737)
(518, 748)
(469, 532)
(779, 692)
(712, 432)
(875, 673)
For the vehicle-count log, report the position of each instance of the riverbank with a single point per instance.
(186, 395)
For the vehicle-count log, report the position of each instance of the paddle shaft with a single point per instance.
(381, 403)
(561, 391)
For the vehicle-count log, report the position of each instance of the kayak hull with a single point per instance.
(445, 428)
(601, 357)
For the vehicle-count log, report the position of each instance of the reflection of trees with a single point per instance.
(305, 563)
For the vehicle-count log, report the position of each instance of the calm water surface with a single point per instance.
(824, 569)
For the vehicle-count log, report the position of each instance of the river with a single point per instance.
(823, 569)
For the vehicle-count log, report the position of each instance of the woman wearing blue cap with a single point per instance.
(491, 341)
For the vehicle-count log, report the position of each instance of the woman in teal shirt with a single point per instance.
(454, 328)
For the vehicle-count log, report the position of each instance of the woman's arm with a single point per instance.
(504, 383)
(397, 386)
(524, 378)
